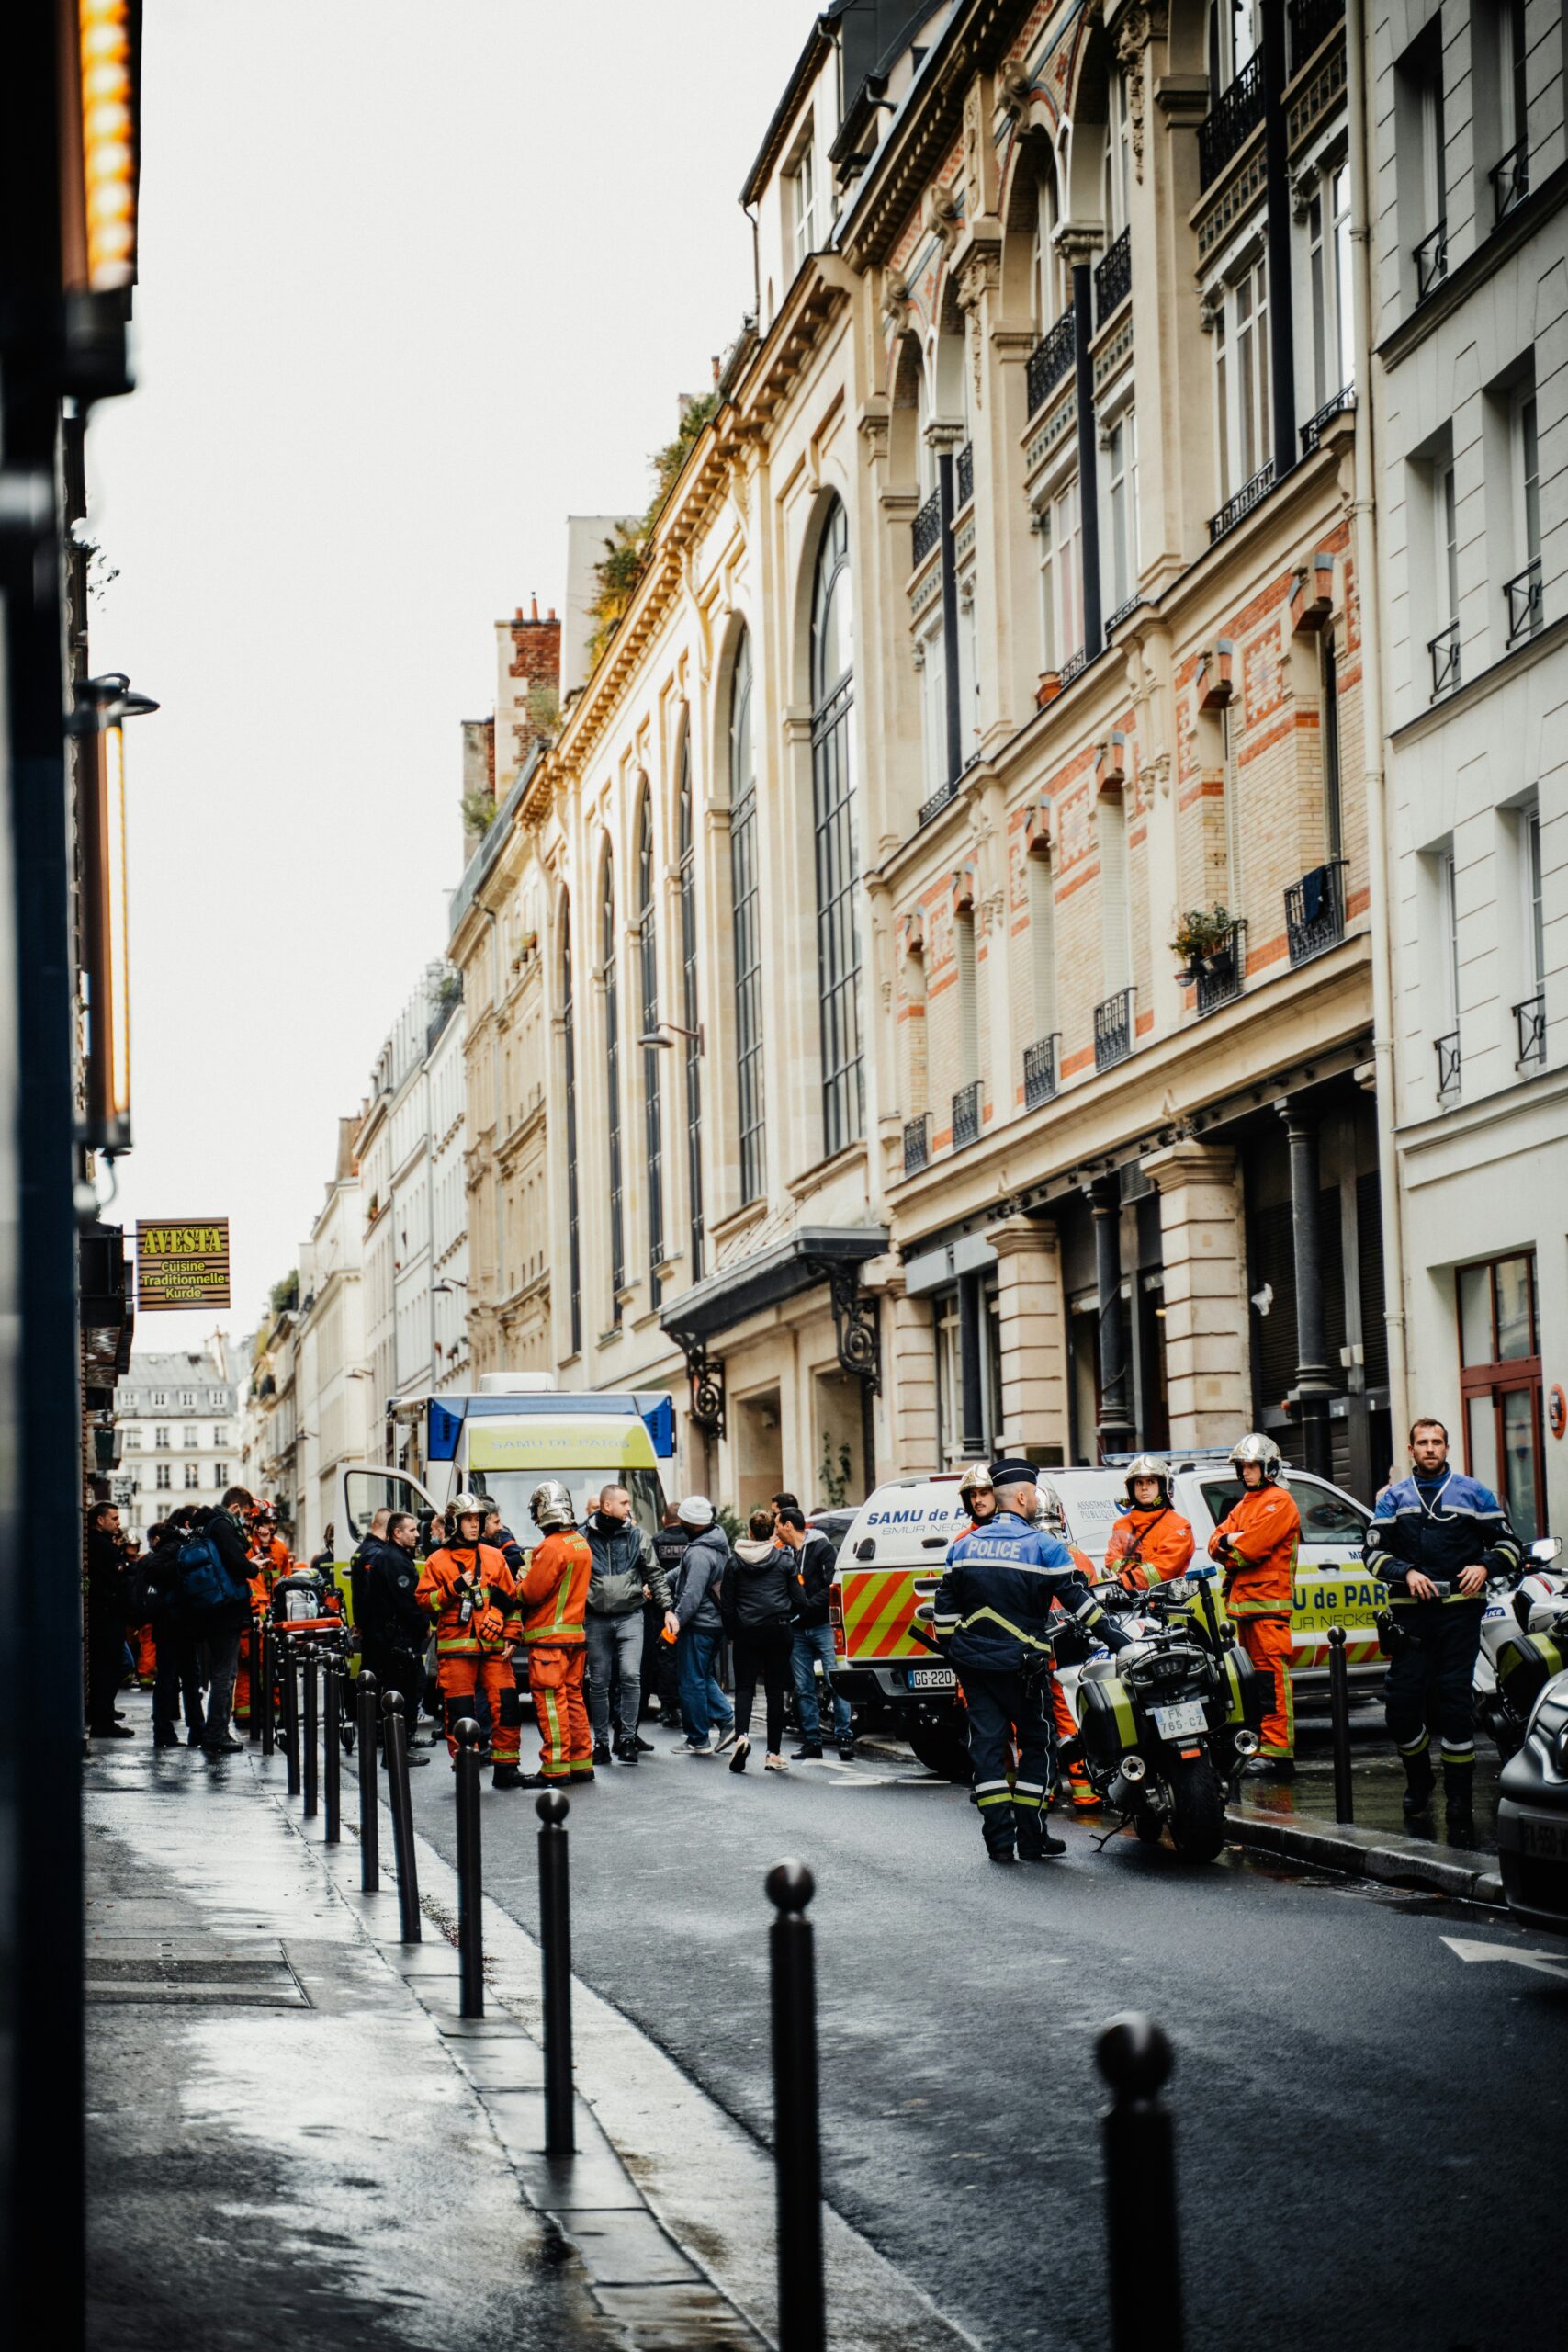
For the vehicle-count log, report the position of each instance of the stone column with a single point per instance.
(1314, 1386)
(1116, 1432)
(912, 1384)
(1031, 1315)
(1207, 1375)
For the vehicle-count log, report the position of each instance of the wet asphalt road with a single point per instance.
(1367, 2123)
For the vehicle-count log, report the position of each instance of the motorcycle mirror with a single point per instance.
(1545, 1548)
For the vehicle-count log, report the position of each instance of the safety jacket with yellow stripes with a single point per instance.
(471, 1593)
(991, 1606)
(554, 1590)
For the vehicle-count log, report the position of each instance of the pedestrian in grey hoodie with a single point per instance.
(624, 1567)
(700, 1629)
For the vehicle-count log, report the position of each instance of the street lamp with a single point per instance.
(103, 708)
(656, 1037)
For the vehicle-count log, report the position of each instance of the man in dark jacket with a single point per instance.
(661, 1670)
(178, 1677)
(625, 1568)
(218, 1629)
(700, 1629)
(392, 1626)
(813, 1644)
(105, 1621)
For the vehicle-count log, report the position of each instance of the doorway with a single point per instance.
(759, 1450)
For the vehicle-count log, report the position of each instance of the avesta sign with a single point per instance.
(181, 1264)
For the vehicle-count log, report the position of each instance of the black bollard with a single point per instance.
(555, 1963)
(1340, 1711)
(253, 1668)
(331, 1755)
(262, 1703)
(402, 1817)
(1144, 2240)
(369, 1808)
(288, 1664)
(470, 1882)
(797, 2153)
(311, 1733)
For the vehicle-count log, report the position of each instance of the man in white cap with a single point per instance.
(700, 1629)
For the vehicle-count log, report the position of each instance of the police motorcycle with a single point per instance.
(1524, 1642)
(1166, 1723)
(306, 1606)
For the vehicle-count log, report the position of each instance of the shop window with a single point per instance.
(1500, 1386)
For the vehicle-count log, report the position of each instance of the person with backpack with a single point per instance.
(757, 1601)
(813, 1645)
(699, 1629)
(625, 1568)
(215, 1591)
(178, 1678)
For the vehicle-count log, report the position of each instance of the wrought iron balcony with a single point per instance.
(937, 802)
(916, 1144)
(1122, 612)
(1311, 21)
(926, 529)
(964, 472)
(1511, 180)
(1236, 115)
(966, 1115)
(1050, 360)
(1113, 1029)
(1040, 1074)
(1530, 1025)
(1315, 911)
(1312, 431)
(1220, 974)
(1447, 1050)
(1236, 509)
(1524, 595)
(1073, 664)
(1444, 650)
(1113, 277)
(1431, 260)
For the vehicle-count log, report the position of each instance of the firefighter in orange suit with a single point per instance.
(554, 1594)
(269, 1558)
(1150, 1543)
(1256, 1546)
(1054, 1518)
(472, 1594)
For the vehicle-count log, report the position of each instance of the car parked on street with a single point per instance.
(1532, 1814)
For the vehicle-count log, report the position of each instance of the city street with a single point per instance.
(1348, 2090)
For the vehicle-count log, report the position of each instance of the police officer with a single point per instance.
(1435, 1538)
(989, 1616)
(392, 1625)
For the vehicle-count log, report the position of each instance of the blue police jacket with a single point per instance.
(1460, 1525)
(991, 1606)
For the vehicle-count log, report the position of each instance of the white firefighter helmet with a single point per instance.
(973, 1479)
(1256, 1447)
(1051, 1514)
(550, 1504)
(463, 1507)
(1145, 1465)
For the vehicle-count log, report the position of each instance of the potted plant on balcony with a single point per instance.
(1203, 940)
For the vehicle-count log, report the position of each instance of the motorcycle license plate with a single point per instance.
(933, 1677)
(1179, 1722)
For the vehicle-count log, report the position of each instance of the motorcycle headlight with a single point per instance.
(1178, 1589)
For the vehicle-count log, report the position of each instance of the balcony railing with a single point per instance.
(1511, 180)
(1122, 612)
(1312, 431)
(1113, 1029)
(1113, 277)
(1247, 498)
(916, 1144)
(1239, 113)
(1444, 650)
(966, 473)
(1530, 1026)
(1523, 592)
(1073, 664)
(1222, 972)
(1050, 360)
(926, 529)
(1447, 1050)
(1039, 1071)
(1315, 911)
(1311, 21)
(966, 1115)
(937, 801)
(1431, 260)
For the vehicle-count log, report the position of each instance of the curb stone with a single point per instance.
(1372, 1853)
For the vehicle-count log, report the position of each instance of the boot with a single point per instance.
(1419, 1782)
(505, 1776)
(1002, 1854)
(627, 1751)
(1458, 1816)
(1037, 1845)
(601, 1751)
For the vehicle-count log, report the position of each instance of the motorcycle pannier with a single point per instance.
(1249, 1692)
(1106, 1725)
(1526, 1663)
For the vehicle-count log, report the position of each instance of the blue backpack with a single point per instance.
(206, 1584)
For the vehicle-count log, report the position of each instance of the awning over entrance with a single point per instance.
(811, 1254)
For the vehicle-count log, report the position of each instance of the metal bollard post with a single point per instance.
(1143, 2236)
(312, 1732)
(555, 1962)
(470, 1882)
(369, 1808)
(252, 1667)
(263, 1702)
(402, 1817)
(797, 2153)
(289, 1665)
(331, 1755)
(1340, 1710)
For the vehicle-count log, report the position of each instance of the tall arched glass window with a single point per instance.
(686, 845)
(569, 1036)
(613, 1085)
(648, 981)
(746, 903)
(838, 863)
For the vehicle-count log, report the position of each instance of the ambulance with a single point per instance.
(894, 1555)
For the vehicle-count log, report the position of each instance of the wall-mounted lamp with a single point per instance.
(103, 705)
(656, 1037)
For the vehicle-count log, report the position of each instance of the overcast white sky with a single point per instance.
(416, 284)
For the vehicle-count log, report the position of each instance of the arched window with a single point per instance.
(612, 1083)
(648, 976)
(746, 916)
(1046, 300)
(838, 863)
(569, 1035)
(687, 846)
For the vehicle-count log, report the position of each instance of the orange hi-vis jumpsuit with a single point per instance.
(1160, 1541)
(554, 1594)
(270, 1558)
(478, 1655)
(1060, 1706)
(1262, 1534)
